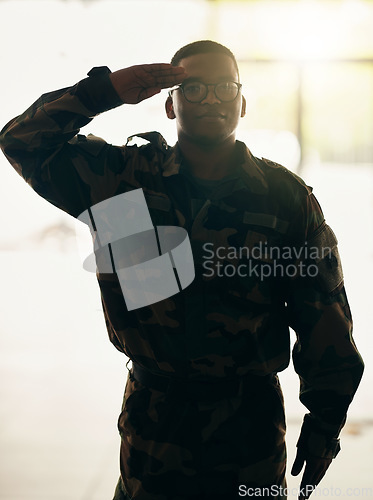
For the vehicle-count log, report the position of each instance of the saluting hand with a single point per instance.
(136, 83)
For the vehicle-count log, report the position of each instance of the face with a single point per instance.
(210, 121)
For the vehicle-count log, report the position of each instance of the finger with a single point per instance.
(306, 485)
(315, 476)
(170, 71)
(168, 78)
(313, 473)
(298, 464)
(306, 491)
(315, 469)
(169, 81)
(163, 67)
(162, 79)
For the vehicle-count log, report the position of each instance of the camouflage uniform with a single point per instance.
(216, 419)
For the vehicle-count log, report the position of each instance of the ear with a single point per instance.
(243, 108)
(169, 108)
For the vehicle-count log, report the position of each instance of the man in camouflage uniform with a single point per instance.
(203, 411)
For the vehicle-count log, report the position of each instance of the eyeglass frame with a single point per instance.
(207, 85)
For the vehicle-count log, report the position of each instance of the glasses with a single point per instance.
(197, 91)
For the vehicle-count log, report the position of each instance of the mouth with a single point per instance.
(211, 116)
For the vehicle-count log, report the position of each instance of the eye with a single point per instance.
(227, 91)
(193, 88)
(227, 87)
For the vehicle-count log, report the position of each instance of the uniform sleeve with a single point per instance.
(325, 355)
(43, 146)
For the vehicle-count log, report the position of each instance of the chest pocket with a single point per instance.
(260, 256)
(265, 235)
(160, 209)
(267, 221)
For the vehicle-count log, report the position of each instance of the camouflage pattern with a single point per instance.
(177, 448)
(220, 327)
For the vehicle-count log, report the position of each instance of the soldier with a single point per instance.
(203, 412)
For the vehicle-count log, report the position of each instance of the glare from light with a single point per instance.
(312, 31)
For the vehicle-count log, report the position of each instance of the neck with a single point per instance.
(208, 161)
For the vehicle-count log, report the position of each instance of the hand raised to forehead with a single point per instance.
(136, 83)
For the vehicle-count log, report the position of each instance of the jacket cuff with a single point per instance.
(97, 92)
(316, 441)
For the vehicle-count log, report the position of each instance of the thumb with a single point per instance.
(298, 464)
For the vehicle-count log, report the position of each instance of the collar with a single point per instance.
(249, 174)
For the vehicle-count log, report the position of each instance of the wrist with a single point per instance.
(316, 441)
(97, 92)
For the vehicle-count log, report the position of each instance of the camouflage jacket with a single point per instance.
(226, 323)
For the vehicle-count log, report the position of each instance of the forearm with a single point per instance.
(330, 369)
(326, 358)
(325, 355)
(56, 117)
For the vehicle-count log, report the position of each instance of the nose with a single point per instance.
(211, 97)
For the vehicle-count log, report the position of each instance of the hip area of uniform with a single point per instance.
(275, 491)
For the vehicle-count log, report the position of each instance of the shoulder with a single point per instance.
(89, 144)
(152, 139)
(148, 141)
(148, 148)
(292, 196)
(282, 177)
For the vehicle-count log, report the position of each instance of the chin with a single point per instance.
(210, 140)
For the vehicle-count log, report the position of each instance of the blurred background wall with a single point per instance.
(307, 71)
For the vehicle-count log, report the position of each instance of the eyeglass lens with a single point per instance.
(197, 91)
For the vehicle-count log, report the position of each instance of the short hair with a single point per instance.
(202, 47)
